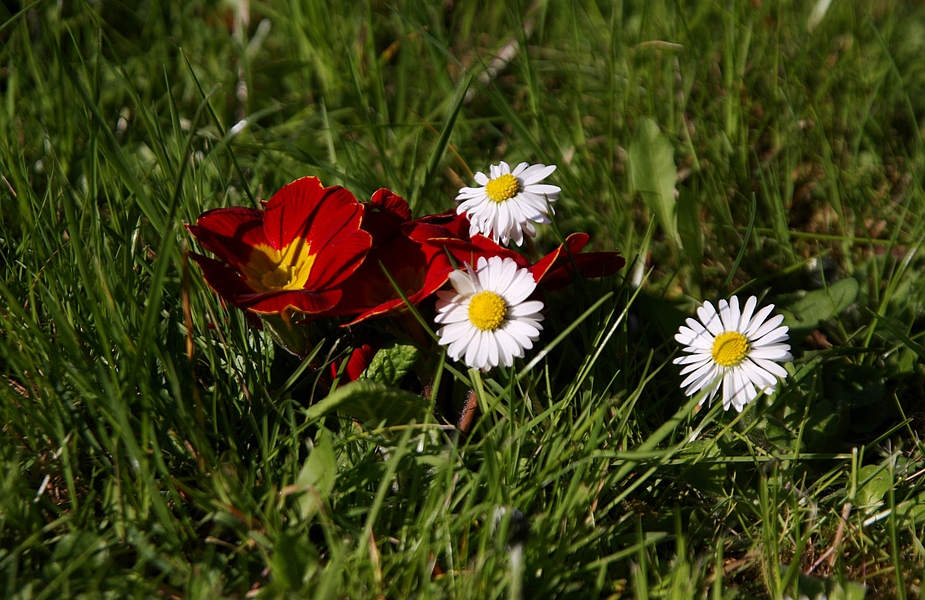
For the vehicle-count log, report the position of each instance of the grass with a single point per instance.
(155, 444)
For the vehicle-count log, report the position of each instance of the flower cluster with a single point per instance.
(317, 252)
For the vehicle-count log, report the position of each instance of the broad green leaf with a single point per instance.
(318, 474)
(820, 305)
(290, 336)
(391, 363)
(654, 174)
(293, 557)
(874, 482)
(830, 589)
(779, 433)
(372, 403)
(826, 425)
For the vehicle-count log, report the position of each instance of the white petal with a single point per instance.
(778, 352)
(688, 359)
(551, 192)
(757, 321)
(464, 283)
(710, 319)
(771, 367)
(469, 194)
(535, 173)
(730, 314)
(770, 325)
(728, 389)
(747, 311)
(701, 373)
(759, 376)
(696, 366)
(472, 358)
(527, 309)
(778, 335)
(455, 331)
(695, 325)
(492, 344)
(509, 345)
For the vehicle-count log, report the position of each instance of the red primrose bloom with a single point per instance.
(291, 256)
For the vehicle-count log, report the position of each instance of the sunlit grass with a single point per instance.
(153, 442)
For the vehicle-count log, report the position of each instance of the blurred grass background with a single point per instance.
(153, 444)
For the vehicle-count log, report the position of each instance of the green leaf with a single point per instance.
(826, 425)
(820, 305)
(654, 174)
(391, 363)
(293, 556)
(318, 474)
(372, 403)
(875, 483)
(290, 336)
(779, 433)
(831, 588)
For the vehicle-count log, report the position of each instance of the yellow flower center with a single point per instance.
(269, 270)
(502, 188)
(487, 310)
(729, 348)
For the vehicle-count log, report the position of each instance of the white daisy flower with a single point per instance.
(735, 349)
(486, 320)
(510, 201)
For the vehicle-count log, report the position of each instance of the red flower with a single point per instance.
(293, 255)
(398, 249)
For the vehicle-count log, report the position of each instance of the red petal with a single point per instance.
(337, 260)
(225, 281)
(228, 284)
(358, 361)
(230, 233)
(448, 224)
(587, 266)
(306, 209)
(480, 246)
(384, 215)
(387, 201)
(301, 300)
(419, 270)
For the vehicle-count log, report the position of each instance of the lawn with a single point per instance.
(165, 434)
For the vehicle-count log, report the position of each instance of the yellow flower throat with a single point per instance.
(269, 270)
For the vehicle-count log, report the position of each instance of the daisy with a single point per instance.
(486, 320)
(737, 349)
(509, 202)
